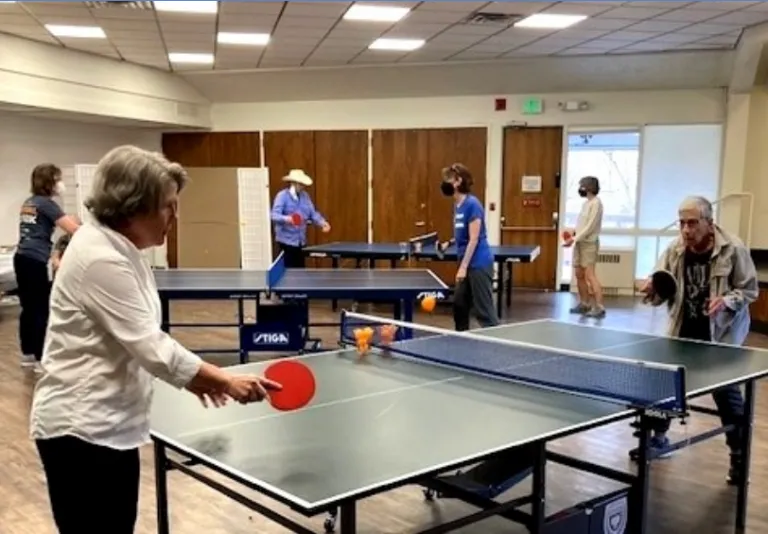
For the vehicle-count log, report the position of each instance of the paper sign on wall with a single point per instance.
(531, 184)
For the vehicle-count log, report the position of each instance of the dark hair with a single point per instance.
(44, 178)
(591, 184)
(458, 170)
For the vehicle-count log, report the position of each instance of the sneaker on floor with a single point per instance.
(656, 444)
(580, 308)
(596, 313)
(28, 360)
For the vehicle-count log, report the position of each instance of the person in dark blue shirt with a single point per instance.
(39, 216)
(474, 277)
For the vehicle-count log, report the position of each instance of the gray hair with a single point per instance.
(701, 204)
(130, 181)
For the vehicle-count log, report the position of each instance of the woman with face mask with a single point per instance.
(474, 277)
(39, 216)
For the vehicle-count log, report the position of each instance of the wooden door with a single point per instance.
(400, 184)
(528, 217)
(446, 147)
(284, 151)
(340, 191)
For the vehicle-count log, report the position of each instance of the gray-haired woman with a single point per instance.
(104, 346)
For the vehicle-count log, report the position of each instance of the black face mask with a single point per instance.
(582, 192)
(447, 188)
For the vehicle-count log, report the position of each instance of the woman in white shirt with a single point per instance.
(104, 347)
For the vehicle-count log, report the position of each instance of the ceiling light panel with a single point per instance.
(376, 13)
(239, 38)
(549, 21)
(199, 7)
(405, 45)
(78, 32)
(196, 59)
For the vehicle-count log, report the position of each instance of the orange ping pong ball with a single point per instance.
(428, 303)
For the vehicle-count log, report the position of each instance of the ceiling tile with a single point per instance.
(307, 22)
(689, 15)
(741, 18)
(127, 25)
(279, 42)
(724, 40)
(250, 8)
(465, 7)
(603, 23)
(58, 9)
(663, 5)
(424, 56)
(424, 16)
(255, 22)
(378, 56)
(707, 29)
(316, 9)
(577, 33)
(519, 8)
(720, 6)
(123, 14)
(478, 30)
(577, 8)
(473, 55)
(36, 35)
(188, 27)
(634, 12)
(146, 35)
(653, 26)
(416, 28)
(11, 21)
(676, 38)
(630, 36)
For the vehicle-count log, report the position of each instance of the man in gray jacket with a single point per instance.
(717, 281)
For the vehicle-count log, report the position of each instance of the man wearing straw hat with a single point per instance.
(291, 212)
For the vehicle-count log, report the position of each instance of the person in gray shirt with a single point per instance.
(39, 216)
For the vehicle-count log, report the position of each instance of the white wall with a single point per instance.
(606, 109)
(26, 142)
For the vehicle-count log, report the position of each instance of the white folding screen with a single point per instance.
(255, 228)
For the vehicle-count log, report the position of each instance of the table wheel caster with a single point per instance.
(330, 523)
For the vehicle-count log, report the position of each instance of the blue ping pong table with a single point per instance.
(488, 401)
(289, 332)
(504, 256)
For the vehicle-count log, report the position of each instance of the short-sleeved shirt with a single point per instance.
(37, 222)
(469, 210)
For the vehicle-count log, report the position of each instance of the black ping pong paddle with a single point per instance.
(664, 285)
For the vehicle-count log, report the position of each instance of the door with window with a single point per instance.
(531, 199)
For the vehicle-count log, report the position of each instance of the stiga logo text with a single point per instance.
(270, 338)
(439, 295)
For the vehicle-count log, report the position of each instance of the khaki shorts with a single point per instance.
(585, 254)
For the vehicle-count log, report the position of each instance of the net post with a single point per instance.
(275, 271)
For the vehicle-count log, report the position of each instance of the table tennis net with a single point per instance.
(423, 242)
(615, 380)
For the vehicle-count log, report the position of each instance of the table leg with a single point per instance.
(638, 513)
(539, 493)
(161, 489)
(240, 324)
(348, 517)
(335, 265)
(742, 495)
(510, 271)
(499, 288)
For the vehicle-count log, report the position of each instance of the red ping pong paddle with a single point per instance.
(567, 235)
(664, 285)
(298, 383)
(296, 219)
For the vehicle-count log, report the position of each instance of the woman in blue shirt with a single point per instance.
(474, 277)
(292, 237)
(39, 216)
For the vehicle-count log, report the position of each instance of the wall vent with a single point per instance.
(501, 19)
(128, 5)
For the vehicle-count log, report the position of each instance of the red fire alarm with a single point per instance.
(500, 104)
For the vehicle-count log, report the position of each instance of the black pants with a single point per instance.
(292, 256)
(34, 291)
(475, 294)
(730, 407)
(91, 488)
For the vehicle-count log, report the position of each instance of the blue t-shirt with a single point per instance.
(469, 210)
(37, 221)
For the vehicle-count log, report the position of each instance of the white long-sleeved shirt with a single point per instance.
(590, 221)
(104, 345)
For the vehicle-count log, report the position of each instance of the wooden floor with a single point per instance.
(689, 491)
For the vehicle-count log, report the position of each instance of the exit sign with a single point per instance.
(533, 106)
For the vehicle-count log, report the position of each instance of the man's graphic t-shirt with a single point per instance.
(696, 296)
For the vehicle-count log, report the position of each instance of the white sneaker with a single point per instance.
(28, 360)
